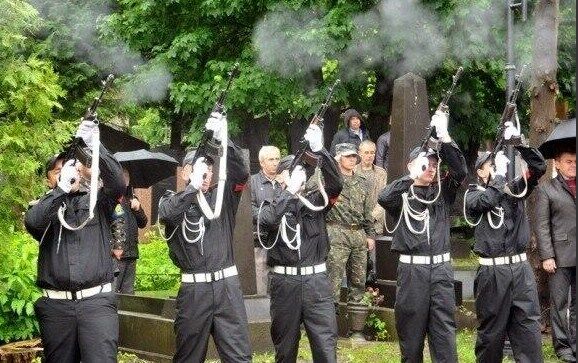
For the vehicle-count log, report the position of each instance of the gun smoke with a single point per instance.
(398, 35)
(85, 20)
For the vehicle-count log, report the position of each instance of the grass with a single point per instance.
(349, 352)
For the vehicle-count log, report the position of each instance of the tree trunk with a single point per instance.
(544, 89)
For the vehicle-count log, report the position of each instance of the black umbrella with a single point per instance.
(146, 168)
(563, 136)
(116, 140)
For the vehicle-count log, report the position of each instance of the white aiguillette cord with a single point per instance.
(497, 211)
(201, 199)
(310, 205)
(94, 178)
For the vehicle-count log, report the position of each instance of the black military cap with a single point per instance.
(285, 163)
(51, 163)
(190, 156)
(416, 151)
(482, 158)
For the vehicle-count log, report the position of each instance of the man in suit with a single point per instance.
(556, 234)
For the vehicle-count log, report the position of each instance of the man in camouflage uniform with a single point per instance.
(350, 227)
(377, 176)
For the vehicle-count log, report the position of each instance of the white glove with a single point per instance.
(418, 166)
(510, 131)
(198, 174)
(216, 123)
(296, 180)
(314, 137)
(440, 121)
(501, 162)
(85, 131)
(69, 177)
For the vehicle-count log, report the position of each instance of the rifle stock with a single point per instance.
(220, 108)
(304, 155)
(443, 106)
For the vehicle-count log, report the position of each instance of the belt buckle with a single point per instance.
(72, 295)
(218, 275)
(516, 259)
(307, 270)
(293, 271)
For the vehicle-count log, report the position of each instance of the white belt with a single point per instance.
(504, 260)
(295, 271)
(76, 295)
(425, 260)
(210, 276)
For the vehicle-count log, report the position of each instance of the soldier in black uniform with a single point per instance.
(505, 287)
(78, 310)
(425, 297)
(210, 300)
(300, 287)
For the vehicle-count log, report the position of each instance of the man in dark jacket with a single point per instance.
(353, 133)
(210, 300)
(383, 148)
(556, 233)
(300, 289)
(505, 288)
(78, 310)
(265, 185)
(134, 218)
(425, 296)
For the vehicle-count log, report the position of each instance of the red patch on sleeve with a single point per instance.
(528, 174)
(239, 188)
(333, 200)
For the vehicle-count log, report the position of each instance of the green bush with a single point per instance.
(18, 291)
(155, 270)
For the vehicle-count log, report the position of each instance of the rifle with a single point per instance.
(507, 114)
(304, 156)
(443, 106)
(220, 108)
(75, 148)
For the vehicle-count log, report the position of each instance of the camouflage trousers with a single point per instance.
(348, 254)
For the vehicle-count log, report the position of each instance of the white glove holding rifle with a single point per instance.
(418, 166)
(314, 137)
(216, 123)
(510, 131)
(501, 162)
(197, 176)
(69, 179)
(296, 180)
(85, 131)
(440, 121)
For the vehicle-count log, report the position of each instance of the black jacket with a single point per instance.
(382, 150)
(133, 221)
(262, 189)
(314, 240)
(513, 237)
(345, 135)
(404, 241)
(218, 240)
(82, 259)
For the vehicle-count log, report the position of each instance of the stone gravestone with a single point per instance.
(409, 120)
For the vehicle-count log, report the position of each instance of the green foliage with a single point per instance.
(18, 291)
(155, 271)
(377, 327)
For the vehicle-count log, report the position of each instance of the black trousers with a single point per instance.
(507, 303)
(81, 330)
(561, 283)
(216, 309)
(425, 304)
(124, 282)
(307, 300)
